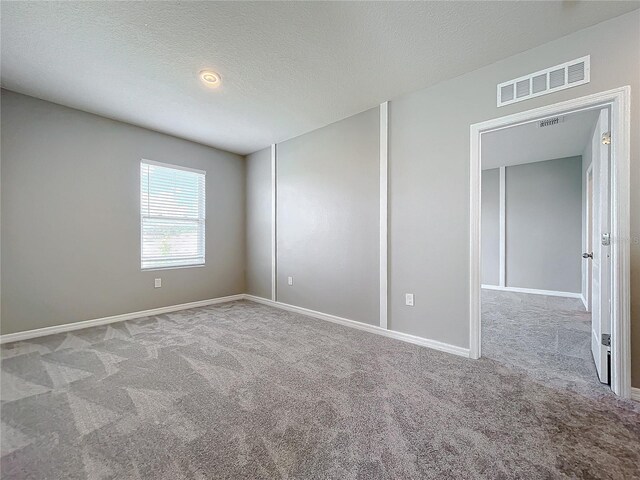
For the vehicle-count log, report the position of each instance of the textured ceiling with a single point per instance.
(528, 143)
(286, 67)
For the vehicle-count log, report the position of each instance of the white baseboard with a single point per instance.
(635, 394)
(584, 301)
(534, 291)
(405, 337)
(68, 327)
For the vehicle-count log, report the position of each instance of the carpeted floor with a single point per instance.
(548, 337)
(241, 390)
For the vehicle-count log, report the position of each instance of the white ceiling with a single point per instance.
(529, 143)
(286, 67)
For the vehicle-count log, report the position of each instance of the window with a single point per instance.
(172, 215)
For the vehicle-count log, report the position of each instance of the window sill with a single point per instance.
(153, 269)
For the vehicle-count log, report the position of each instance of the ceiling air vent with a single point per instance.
(552, 79)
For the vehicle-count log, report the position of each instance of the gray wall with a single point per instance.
(328, 242)
(259, 213)
(71, 217)
(429, 168)
(328, 219)
(544, 215)
(491, 226)
(544, 225)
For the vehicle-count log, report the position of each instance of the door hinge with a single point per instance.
(606, 138)
(606, 339)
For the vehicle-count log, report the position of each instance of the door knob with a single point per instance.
(588, 255)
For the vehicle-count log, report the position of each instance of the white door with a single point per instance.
(601, 283)
(589, 238)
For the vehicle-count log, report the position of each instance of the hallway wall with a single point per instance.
(543, 225)
(491, 226)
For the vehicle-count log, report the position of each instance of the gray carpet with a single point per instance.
(548, 337)
(241, 390)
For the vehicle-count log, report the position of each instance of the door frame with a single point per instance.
(619, 105)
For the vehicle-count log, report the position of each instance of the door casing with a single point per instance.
(619, 105)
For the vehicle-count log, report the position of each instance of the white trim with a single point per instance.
(274, 211)
(533, 291)
(619, 101)
(635, 394)
(584, 302)
(172, 165)
(405, 337)
(475, 240)
(620, 128)
(384, 185)
(503, 226)
(69, 327)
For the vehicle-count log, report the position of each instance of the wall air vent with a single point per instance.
(553, 79)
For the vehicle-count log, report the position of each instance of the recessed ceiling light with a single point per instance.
(209, 78)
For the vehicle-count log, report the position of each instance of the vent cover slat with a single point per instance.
(552, 79)
(556, 78)
(575, 72)
(539, 83)
(506, 93)
(522, 88)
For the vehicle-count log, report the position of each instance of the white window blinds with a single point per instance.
(172, 214)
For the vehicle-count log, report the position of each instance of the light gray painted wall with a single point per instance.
(71, 217)
(259, 208)
(429, 169)
(491, 226)
(328, 219)
(544, 225)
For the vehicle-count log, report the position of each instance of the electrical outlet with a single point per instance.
(158, 283)
(289, 280)
(408, 299)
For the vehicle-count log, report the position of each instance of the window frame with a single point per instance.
(144, 161)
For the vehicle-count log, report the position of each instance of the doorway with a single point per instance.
(613, 218)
